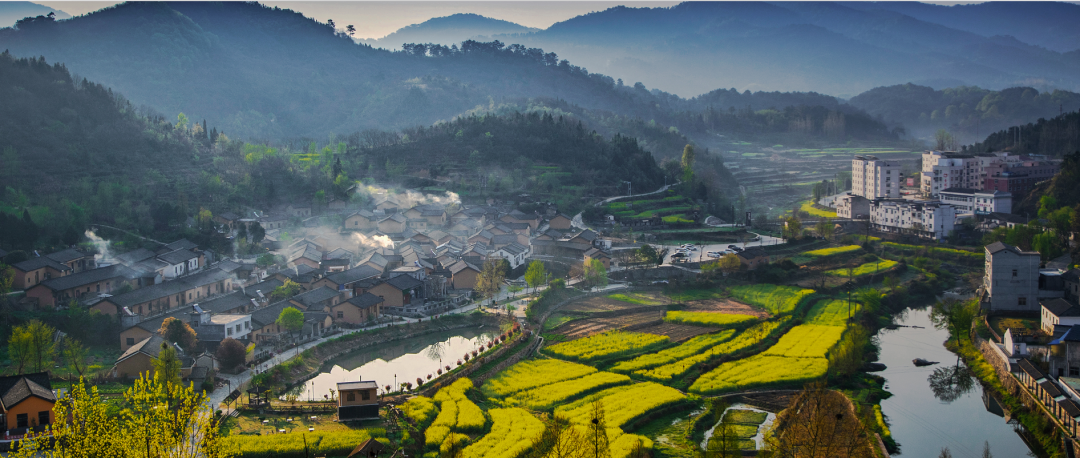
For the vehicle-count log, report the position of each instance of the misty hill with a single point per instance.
(1056, 136)
(827, 47)
(968, 112)
(260, 72)
(1051, 25)
(449, 30)
(13, 11)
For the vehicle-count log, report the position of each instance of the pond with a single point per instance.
(406, 359)
(940, 405)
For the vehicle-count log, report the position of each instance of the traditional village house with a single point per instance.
(357, 310)
(159, 298)
(36, 270)
(753, 257)
(600, 255)
(77, 260)
(465, 275)
(358, 401)
(560, 222)
(61, 290)
(26, 401)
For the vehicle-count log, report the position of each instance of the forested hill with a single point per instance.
(967, 112)
(1054, 137)
(265, 73)
(449, 30)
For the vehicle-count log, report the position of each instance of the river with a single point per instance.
(922, 422)
(406, 359)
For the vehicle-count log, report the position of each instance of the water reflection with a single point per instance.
(950, 382)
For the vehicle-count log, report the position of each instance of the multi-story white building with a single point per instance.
(1011, 278)
(944, 169)
(932, 220)
(874, 178)
(854, 207)
(977, 202)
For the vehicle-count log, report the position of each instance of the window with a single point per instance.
(22, 420)
(1014, 272)
(1021, 301)
(43, 417)
(365, 395)
(351, 396)
(340, 314)
(228, 331)
(130, 341)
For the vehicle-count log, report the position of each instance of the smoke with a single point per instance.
(376, 242)
(409, 198)
(103, 256)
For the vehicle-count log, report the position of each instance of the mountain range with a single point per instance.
(13, 11)
(450, 30)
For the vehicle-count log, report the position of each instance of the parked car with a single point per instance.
(678, 255)
(714, 254)
(737, 249)
(731, 247)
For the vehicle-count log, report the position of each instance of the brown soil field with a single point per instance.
(603, 304)
(677, 332)
(724, 306)
(586, 327)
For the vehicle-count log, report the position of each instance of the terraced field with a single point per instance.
(586, 327)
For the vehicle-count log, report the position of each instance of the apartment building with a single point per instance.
(931, 220)
(977, 202)
(945, 169)
(874, 178)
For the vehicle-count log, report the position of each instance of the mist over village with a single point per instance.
(539, 229)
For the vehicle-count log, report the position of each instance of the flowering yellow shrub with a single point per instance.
(607, 344)
(421, 410)
(831, 312)
(744, 340)
(531, 374)
(865, 269)
(684, 350)
(622, 404)
(833, 251)
(757, 371)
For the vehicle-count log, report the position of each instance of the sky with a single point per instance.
(378, 19)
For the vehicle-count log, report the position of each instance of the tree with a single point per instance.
(291, 319)
(986, 450)
(159, 420)
(826, 229)
(688, 164)
(944, 141)
(595, 274)
(559, 439)
(265, 260)
(945, 453)
(167, 365)
(724, 442)
(597, 439)
(819, 423)
(285, 291)
(231, 353)
(39, 343)
(75, 355)
(950, 382)
(954, 315)
(490, 281)
(351, 29)
(179, 332)
(729, 263)
(535, 274)
(20, 348)
(647, 254)
(792, 228)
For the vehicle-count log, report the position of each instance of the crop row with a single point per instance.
(774, 298)
(865, 269)
(933, 250)
(744, 340)
(607, 345)
(513, 432)
(422, 410)
(548, 396)
(746, 417)
(531, 374)
(635, 298)
(456, 413)
(670, 355)
(807, 341)
(622, 404)
(809, 208)
(757, 371)
(324, 443)
(707, 318)
(833, 251)
(831, 312)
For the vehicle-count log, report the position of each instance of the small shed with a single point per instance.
(358, 401)
(368, 448)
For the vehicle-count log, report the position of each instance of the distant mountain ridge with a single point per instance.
(13, 11)
(449, 30)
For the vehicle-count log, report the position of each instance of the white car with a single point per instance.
(714, 254)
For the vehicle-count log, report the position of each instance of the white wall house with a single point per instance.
(977, 202)
(943, 170)
(514, 253)
(931, 220)
(850, 206)
(1011, 278)
(874, 178)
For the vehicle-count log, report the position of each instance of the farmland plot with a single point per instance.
(774, 298)
(607, 345)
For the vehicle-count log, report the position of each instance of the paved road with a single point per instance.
(578, 223)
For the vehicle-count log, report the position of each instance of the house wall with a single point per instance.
(358, 398)
(465, 279)
(393, 297)
(133, 366)
(48, 298)
(131, 336)
(559, 222)
(391, 227)
(1017, 292)
(606, 261)
(358, 223)
(353, 315)
(31, 407)
(26, 280)
(873, 178)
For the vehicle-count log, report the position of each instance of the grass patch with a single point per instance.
(688, 295)
(635, 298)
(774, 298)
(869, 268)
(833, 251)
(707, 318)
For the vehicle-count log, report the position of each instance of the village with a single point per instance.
(586, 294)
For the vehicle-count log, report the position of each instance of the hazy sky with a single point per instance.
(378, 19)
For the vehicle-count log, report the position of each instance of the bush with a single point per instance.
(231, 353)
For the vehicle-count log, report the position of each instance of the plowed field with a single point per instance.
(586, 327)
(604, 304)
(724, 306)
(677, 332)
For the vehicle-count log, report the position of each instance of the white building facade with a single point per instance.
(874, 178)
(930, 220)
(1011, 278)
(977, 202)
(854, 207)
(943, 170)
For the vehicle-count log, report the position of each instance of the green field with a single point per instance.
(774, 298)
(864, 269)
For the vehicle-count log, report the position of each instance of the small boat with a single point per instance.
(919, 362)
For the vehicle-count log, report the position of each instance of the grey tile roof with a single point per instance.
(39, 262)
(269, 314)
(226, 302)
(89, 276)
(150, 346)
(67, 255)
(17, 388)
(365, 300)
(182, 244)
(315, 296)
(177, 257)
(403, 282)
(353, 275)
(266, 286)
(135, 256)
(168, 288)
(1060, 307)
